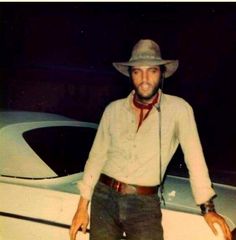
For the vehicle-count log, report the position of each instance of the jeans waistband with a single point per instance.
(125, 188)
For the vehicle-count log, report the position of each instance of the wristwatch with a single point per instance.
(207, 207)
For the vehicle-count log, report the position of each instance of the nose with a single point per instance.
(145, 76)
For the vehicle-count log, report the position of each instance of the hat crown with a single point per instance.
(146, 52)
(145, 49)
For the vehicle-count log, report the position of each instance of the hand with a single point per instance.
(80, 219)
(212, 218)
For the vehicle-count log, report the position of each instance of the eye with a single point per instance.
(135, 71)
(154, 70)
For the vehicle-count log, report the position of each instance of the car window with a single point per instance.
(223, 172)
(64, 149)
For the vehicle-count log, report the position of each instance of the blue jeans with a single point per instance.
(112, 214)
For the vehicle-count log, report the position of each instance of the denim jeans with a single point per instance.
(112, 214)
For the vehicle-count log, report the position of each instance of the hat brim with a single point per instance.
(171, 65)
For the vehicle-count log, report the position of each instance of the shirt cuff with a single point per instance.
(85, 190)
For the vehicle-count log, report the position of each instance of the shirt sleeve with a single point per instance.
(97, 158)
(193, 154)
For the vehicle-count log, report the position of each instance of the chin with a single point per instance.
(146, 97)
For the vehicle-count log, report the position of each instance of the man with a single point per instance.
(135, 141)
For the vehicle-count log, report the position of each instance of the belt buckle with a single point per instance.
(130, 189)
(116, 185)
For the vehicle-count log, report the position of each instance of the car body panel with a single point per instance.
(11, 135)
(38, 213)
(180, 225)
(178, 197)
(40, 204)
(42, 208)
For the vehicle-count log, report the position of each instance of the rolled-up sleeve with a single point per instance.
(97, 158)
(194, 157)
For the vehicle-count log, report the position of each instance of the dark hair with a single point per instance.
(162, 68)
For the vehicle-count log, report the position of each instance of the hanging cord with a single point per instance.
(160, 142)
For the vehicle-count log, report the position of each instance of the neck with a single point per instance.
(144, 107)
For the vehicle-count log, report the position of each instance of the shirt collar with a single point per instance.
(129, 100)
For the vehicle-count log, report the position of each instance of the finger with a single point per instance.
(73, 231)
(228, 233)
(72, 234)
(213, 228)
(84, 227)
(226, 230)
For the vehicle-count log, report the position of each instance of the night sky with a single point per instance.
(57, 57)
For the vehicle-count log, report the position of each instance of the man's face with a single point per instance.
(146, 81)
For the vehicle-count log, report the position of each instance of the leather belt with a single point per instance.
(125, 188)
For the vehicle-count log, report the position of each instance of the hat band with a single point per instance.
(145, 57)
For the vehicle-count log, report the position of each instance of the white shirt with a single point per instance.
(132, 156)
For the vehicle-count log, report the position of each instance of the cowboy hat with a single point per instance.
(146, 53)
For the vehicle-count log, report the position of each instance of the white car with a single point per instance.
(42, 157)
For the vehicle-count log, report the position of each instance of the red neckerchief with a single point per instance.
(142, 106)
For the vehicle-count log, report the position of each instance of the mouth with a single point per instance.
(145, 87)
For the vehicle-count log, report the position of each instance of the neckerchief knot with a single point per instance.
(143, 106)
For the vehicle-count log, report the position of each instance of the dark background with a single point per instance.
(57, 57)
